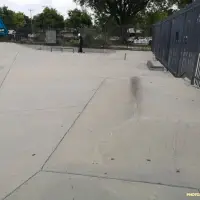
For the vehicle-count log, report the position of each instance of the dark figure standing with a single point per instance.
(80, 43)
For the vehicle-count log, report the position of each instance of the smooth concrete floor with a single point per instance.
(95, 126)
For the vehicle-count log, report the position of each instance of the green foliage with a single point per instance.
(165, 5)
(182, 3)
(8, 17)
(78, 19)
(157, 10)
(108, 14)
(155, 17)
(74, 43)
(104, 21)
(13, 20)
(122, 11)
(49, 18)
(19, 20)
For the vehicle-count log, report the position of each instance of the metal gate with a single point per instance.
(177, 42)
(197, 73)
(189, 48)
(165, 37)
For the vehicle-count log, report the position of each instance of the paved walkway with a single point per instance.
(95, 126)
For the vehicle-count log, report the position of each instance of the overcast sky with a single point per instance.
(37, 5)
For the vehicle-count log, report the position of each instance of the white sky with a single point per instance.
(37, 5)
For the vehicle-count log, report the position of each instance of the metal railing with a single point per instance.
(62, 49)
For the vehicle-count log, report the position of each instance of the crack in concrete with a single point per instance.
(14, 59)
(102, 82)
(37, 109)
(119, 179)
(98, 177)
(9, 194)
(82, 174)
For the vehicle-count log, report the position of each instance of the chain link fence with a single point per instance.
(123, 37)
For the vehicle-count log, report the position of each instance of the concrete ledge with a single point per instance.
(155, 65)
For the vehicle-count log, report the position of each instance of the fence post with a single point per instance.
(169, 45)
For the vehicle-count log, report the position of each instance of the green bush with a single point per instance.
(92, 41)
(74, 43)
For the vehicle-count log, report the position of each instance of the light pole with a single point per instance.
(31, 20)
(43, 19)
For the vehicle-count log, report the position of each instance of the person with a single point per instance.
(80, 43)
(150, 44)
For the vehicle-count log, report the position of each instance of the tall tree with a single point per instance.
(78, 19)
(122, 11)
(25, 27)
(182, 3)
(8, 17)
(13, 20)
(19, 20)
(156, 10)
(49, 18)
(165, 5)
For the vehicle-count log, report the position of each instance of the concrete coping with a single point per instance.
(155, 65)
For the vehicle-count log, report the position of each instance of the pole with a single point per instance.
(31, 20)
(43, 28)
(125, 56)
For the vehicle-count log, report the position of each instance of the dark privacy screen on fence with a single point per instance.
(176, 42)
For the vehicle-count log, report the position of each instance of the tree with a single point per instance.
(26, 28)
(182, 3)
(78, 19)
(19, 20)
(155, 11)
(101, 20)
(165, 5)
(13, 20)
(8, 17)
(122, 11)
(49, 18)
(158, 10)
(27, 22)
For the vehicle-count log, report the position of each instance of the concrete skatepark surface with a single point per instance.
(95, 126)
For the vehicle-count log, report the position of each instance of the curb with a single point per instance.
(154, 65)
